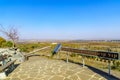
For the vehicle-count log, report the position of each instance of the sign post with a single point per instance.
(109, 67)
(58, 55)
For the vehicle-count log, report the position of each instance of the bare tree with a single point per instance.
(11, 33)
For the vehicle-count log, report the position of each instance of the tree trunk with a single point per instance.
(13, 43)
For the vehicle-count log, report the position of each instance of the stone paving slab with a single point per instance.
(41, 68)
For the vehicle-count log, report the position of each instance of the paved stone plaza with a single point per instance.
(41, 68)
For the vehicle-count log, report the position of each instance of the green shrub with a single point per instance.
(2, 41)
(9, 44)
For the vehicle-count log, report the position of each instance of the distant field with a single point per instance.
(114, 46)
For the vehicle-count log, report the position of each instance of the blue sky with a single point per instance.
(62, 19)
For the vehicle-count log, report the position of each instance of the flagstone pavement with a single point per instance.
(42, 68)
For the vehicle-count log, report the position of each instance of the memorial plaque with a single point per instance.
(101, 54)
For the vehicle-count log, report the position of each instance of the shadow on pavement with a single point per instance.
(10, 71)
(100, 72)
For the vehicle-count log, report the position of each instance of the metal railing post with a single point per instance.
(109, 67)
(67, 57)
(58, 55)
(83, 61)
